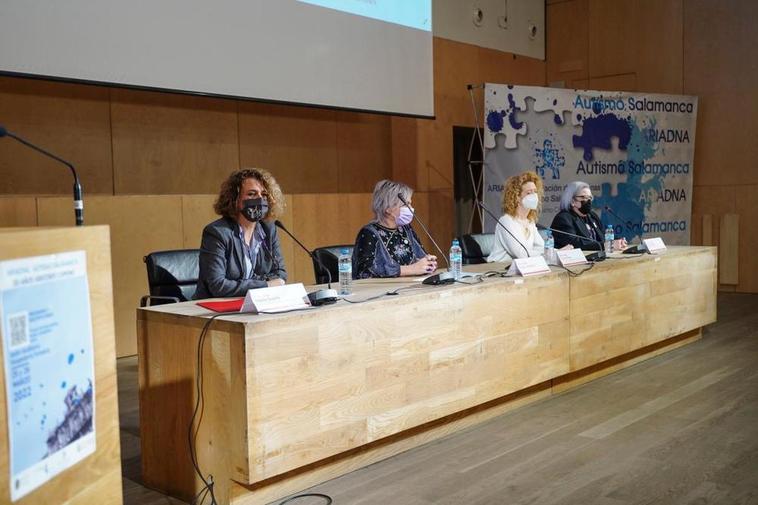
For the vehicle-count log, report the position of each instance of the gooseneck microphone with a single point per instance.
(441, 278)
(610, 211)
(635, 249)
(78, 201)
(501, 225)
(418, 220)
(598, 255)
(322, 296)
(270, 254)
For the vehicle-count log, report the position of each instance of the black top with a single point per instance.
(222, 260)
(380, 251)
(589, 226)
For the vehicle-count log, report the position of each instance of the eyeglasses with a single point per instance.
(583, 198)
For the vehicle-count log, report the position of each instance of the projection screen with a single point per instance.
(373, 55)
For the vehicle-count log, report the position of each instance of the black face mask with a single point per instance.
(255, 209)
(586, 207)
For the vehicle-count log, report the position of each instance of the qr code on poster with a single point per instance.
(18, 326)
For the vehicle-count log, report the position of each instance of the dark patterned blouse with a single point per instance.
(380, 251)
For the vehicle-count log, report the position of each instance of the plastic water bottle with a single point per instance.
(550, 248)
(346, 272)
(456, 259)
(609, 239)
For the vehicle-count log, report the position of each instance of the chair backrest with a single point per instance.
(476, 247)
(329, 256)
(173, 273)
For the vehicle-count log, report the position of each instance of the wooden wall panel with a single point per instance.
(622, 82)
(505, 68)
(707, 230)
(435, 145)
(455, 65)
(747, 210)
(320, 220)
(657, 41)
(364, 151)
(405, 153)
(172, 144)
(69, 120)
(139, 225)
(716, 200)
(197, 211)
(580, 84)
(20, 211)
(614, 29)
(567, 41)
(719, 56)
(442, 220)
(297, 144)
(719, 67)
(638, 36)
(729, 231)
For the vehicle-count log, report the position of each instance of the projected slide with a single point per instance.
(411, 13)
(366, 55)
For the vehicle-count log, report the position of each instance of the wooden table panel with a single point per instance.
(318, 392)
(626, 303)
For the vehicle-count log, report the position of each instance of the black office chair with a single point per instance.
(329, 256)
(476, 247)
(171, 276)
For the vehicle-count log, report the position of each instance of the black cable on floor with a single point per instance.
(327, 498)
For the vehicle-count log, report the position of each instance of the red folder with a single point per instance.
(230, 305)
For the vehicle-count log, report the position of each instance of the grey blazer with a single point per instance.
(222, 261)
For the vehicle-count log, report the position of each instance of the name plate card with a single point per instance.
(529, 266)
(655, 245)
(571, 257)
(276, 299)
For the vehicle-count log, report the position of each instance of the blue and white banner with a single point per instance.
(48, 358)
(635, 150)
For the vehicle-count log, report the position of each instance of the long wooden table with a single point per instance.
(295, 399)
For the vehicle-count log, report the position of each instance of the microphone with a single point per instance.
(635, 249)
(78, 201)
(595, 256)
(322, 296)
(436, 279)
(497, 222)
(444, 256)
(270, 254)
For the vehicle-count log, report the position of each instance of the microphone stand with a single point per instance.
(436, 279)
(321, 296)
(78, 201)
(595, 256)
(635, 249)
(498, 223)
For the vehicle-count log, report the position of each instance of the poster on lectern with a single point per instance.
(635, 150)
(48, 360)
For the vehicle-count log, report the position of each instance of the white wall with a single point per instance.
(454, 20)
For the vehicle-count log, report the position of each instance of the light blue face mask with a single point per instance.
(405, 216)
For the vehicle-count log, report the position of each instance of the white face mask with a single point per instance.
(531, 201)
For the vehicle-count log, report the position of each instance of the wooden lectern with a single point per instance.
(97, 477)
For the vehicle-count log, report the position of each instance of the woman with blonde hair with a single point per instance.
(522, 197)
(240, 251)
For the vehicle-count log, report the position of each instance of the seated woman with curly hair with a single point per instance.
(240, 251)
(522, 197)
